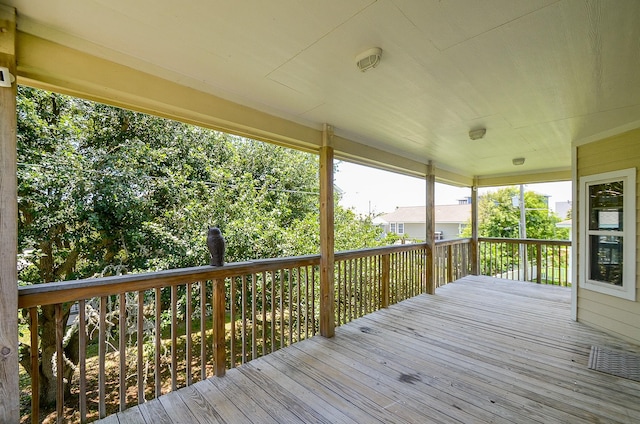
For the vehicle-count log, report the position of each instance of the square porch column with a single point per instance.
(475, 253)
(327, 314)
(9, 388)
(430, 278)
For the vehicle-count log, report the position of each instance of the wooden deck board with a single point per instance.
(480, 350)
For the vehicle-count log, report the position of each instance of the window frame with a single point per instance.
(628, 234)
(400, 227)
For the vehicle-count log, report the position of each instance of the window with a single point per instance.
(607, 233)
(396, 227)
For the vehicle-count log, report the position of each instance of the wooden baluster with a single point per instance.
(306, 303)
(264, 313)
(565, 261)
(402, 289)
(59, 364)
(298, 302)
(377, 278)
(157, 340)
(367, 284)
(232, 321)
(35, 366)
(466, 260)
(282, 280)
(82, 364)
(254, 318)
(409, 274)
(363, 286)
(313, 301)
(122, 349)
(539, 263)
(449, 264)
(417, 255)
(290, 303)
(374, 282)
(243, 299)
(339, 293)
(102, 350)
(401, 277)
(554, 260)
(174, 338)
(386, 272)
(349, 284)
(203, 330)
(273, 318)
(140, 343)
(189, 335)
(219, 345)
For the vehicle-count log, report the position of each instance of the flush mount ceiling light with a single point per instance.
(518, 161)
(477, 134)
(368, 59)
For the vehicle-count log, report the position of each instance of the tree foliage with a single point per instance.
(499, 218)
(105, 191)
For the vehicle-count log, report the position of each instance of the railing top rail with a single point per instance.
(384, 250)
(71, 291)
(526, 241)
(453, 241)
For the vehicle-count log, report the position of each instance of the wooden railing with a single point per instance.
(367, 280)
(168, 329)
(452, 260)
(139, 336)
(540, 261)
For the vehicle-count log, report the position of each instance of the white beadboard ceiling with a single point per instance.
(537, 74)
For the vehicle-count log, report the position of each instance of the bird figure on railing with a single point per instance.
(216, 245)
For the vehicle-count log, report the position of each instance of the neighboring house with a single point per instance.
(410, 221)
(563, 208)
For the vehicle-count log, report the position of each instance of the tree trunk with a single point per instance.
(48, 373)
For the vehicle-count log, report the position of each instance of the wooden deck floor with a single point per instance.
(480, 350)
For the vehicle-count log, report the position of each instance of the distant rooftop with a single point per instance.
(454, 214)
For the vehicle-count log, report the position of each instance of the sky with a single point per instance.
(369, 190)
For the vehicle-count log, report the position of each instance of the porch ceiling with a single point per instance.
(538, 75)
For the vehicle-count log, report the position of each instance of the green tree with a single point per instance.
(499, 218)
(105, 191)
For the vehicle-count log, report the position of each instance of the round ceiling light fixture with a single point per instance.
(368, 59)
(477, 134)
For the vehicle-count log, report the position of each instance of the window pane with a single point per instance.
(606, 259)
(605, 206)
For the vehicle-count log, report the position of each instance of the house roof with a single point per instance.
(538, 75)
(444, 214)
